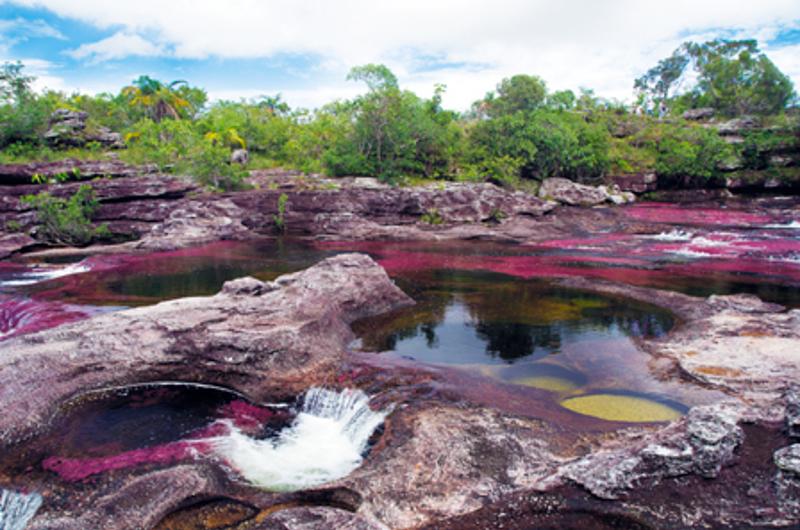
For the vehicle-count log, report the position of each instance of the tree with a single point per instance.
(392, 132)
(23, 115)
(734, 77)
(158, 100)
(517, 93)
(15, 87)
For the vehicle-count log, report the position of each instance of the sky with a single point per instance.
(303, 49)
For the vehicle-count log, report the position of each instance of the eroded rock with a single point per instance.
(275, 340)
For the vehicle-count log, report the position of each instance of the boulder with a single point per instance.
(703, 113)
(571, 193)
(68, 128)
(635, 182)
(737, 126)
(240, 156)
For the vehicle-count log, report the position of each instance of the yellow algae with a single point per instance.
(546, 382)
(617, 407)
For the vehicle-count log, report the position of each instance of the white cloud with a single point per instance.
(602, 45)
(118, 46)
(14, 31)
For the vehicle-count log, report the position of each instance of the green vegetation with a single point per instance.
(733, 77)
(280, 218)
(67, 221)
(515, 136)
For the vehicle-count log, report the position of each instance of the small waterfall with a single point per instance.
(17, 509)
(325, 442)
(44, 274)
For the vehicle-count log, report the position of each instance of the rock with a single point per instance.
(731, 163)
(194, 223)
(567, 192)
(701, 443)
(444, 461)
(703, 113)
(782, 161)
(792, 398)
(636, 183)
(743, 302)
(240, 156)
(787, 482)
(68, 128)
(247, 286)
(270, 343)
(140, 503)
(70, 169)
(788, 460)
(315, 518)
(736, 126)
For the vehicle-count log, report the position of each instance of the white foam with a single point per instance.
(689, 253)
(790, 258)
(325, 442)
(17, 509)
(673, 235)
(794, 225)
(43, 275)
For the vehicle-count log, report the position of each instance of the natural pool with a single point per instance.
(492, 312)
(487, 308)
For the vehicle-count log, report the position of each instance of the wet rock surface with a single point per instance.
(280, 342)
(445, 459)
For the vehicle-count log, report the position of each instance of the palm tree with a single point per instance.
(156, 99)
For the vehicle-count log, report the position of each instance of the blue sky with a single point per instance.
(304, 48)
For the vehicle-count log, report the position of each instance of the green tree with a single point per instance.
(514, 94)
(394, 133)
(733, 76)
(158, 100)
(540, 144)
(23, 115)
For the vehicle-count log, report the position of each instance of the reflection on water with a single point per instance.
(478, 318)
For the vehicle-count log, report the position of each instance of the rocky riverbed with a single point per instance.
(457, 448)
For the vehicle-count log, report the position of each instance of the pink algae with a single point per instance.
(246, 416)
(25, 315)
(685, 215)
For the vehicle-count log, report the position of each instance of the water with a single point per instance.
(42, 274)
(17, 509)
(464, 317)
(326, 441)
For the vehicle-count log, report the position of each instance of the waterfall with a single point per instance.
(325, 442)
(17, 509)
(43, 274)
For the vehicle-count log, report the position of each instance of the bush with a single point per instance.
(67, 221)
(544, 143)
(178, 146)
(690, 152)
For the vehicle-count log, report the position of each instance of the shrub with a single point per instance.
(544, 143)
(689, 153)
(280, 218)
(67, 221)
